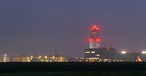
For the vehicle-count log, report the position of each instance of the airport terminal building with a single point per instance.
(100, 54)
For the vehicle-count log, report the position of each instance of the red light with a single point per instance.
(95, 28)
(107, 48)
(90, 40)
(139, 59)
(98, 40)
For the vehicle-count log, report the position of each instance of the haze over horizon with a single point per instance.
(45, 27)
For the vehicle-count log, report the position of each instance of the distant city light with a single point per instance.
(92, 51)
(123, 52)
(40, 56)
(87, 52)
(97, 55)
(143, 52)
(45, 56)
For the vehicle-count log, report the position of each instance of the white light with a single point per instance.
(87, 52)
(92, 51)
(97, 55)
(123, 52)
(45, 56)
(143, 52)
(40, 56)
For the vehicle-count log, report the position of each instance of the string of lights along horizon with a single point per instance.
(94, 53)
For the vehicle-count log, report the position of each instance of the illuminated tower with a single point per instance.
(95, 53)
(5, 58)
(94, 39)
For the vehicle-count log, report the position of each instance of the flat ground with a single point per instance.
(73, 69)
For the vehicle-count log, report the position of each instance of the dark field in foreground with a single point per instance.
(75, 74)
(73, 69)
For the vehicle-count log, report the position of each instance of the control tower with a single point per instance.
(95, 53)
(94, 40)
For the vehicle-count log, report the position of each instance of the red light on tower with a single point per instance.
(95, 28)
(98, 40)
(94, 40)
(90, 40)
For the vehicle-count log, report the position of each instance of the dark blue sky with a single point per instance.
(43, 27)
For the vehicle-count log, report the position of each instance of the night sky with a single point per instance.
(46, 27)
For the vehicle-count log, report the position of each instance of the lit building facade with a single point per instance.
(20, 59)
(54, 58)
(100, 54)
(5, 58)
